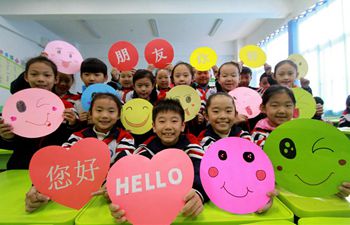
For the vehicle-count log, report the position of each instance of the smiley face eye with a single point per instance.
(248, 157)
(188, 99)
(21, 106)
(222, 155)
(287, 148)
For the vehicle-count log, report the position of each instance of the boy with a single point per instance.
(168, 124)
(246, 77)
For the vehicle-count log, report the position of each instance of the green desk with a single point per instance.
(4, 157)
(331, 206)
(13, 186)
(97, 213)
(324, 221)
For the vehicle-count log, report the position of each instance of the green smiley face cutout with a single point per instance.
(310, 157)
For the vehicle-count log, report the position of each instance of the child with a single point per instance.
(245, 77)
(168, 124)
(228, 77)
(114, 83)
(278, 103)
(62, 86)
(40, 72)
(263, 83)
(144, 87)
(221, 114)
(163, 81)
(125, 80)
(286, 71)
(345, 118)
(105, 112)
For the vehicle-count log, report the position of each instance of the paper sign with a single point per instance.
(159, 52)
(66, 57)
(123, 56)
(33, 112)
(136, 116)
(301, 63)
(236, 175)
(252, 56)
(203, 58)
(247, 101)
(151, 191)
(305, 106)
(69, 176)
(89, 92)
(189, 99)
(310, 157)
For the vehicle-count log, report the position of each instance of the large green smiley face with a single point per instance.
(310, 157)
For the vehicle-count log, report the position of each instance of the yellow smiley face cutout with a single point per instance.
(136, 116)
(189, 99)
(252, 56)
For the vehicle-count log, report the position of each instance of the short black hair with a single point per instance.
(210, 99)
(246, 70)
(263, 76)
(102, 95)
(189, 67)
(277, 89)
(229, 63)
(166, 105)
(93, 65)
(41, 59)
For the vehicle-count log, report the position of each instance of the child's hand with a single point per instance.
(169, 67)
(319, 109)
(35, 199)
(200, 118)
(6, 130)
(271, 195)
(150, 67)
(344, 190)
(241, 118)
(69, 115)
(83, 116)
(193, 204)
(102, 191)
(117, 213)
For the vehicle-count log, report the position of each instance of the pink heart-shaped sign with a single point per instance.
(69, 176)
(151, 191)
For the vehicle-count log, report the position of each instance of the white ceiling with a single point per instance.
(184, 23)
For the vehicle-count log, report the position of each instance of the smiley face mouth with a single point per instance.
(236, 196)
(47, 123)
(314, 184)
(131, 124)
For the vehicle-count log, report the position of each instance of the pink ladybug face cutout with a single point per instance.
(236, 175)
(247, 101)
(66, 57)
(33, 112)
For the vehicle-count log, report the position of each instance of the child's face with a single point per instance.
(168, 126)
(143, 88)
(264, 83)
(64, 83)
(285, 75)
(163, 79)
(202, 77)
(104, 114)
(244, 80)
(40, 75)
(93, 78)
(221, 114)
(125, 79)
(279, 109)
(229, 77)
(182, 76)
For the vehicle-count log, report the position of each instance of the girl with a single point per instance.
(163, 81)
(40, 72)
(344, 120)
(221, 113)
(105, 112)
(125, 80)
(278, 103)
(62, 86)
(228, 77)
(286, 71)
(144, 87)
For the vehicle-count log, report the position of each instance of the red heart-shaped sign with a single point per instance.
(69, 176)
(151, 191)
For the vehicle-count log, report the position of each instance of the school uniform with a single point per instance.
(208, 136)
(261, 131)
(119, 141)
(189, 144)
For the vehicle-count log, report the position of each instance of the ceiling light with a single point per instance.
(89, 28)
(215, 27)
(154, 27)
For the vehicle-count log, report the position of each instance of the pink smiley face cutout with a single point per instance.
(66, 57)
(33, 112)
(247, 101)
(236, 175)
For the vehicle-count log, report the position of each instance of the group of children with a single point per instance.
(217, 118)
